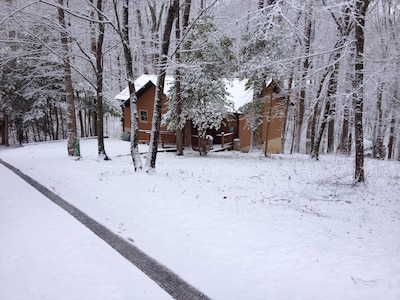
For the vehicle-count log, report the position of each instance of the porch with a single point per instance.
(220, 142)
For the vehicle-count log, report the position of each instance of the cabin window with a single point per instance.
(143, 115)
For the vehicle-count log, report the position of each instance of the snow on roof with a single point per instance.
(236, 89)
(141, 81)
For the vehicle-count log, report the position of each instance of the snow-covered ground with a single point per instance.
(46, 254)
(234, 225)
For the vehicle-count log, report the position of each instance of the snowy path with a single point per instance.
(78, 265)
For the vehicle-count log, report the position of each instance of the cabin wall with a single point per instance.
(145, 104)
(275, 115)
(273, 112)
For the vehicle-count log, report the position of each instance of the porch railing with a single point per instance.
(226, 139)
(166, 137)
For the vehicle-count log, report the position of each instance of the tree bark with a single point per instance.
(5, 137)
(378, 147)
(304, 69)
(71, 116)
(57, 122)
(124, 34)
(331, 126)
(285, 117)
(156, 123)
(179, 133)
(99, 77)
(268, 124)
(187, 129)
(331, 77)
(142, 41)
(188, 134)
(313, 137)
(332, 89)
(391, 144)
(360, 13)
(345, 145)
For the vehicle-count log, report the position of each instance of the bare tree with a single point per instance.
(179, 135)
(99, 80)
(361, 7)
(71, 118)
(162, 69)
(123, 31)
(304, 67)
(187, 129)
(330, 77)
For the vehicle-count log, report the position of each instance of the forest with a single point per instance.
(336, 63)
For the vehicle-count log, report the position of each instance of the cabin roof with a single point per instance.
(143, 82)
(236, 89)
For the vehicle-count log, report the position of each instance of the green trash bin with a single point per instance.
(78, 148)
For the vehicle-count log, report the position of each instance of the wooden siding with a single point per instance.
(145, 102)
(274, 129)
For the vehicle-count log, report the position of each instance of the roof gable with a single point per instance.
(236, 88)
(142, 83)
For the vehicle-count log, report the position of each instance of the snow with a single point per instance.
(141, 81)
(234, 225)
(236, 88)
(47, 254)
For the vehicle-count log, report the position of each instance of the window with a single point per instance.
(143, 116)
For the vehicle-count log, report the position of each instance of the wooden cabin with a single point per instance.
(233, 129)
(145, 91)
(270, 131)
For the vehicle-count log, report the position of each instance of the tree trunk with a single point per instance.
(202, 146)
(331, 77)
(331, 94)
(71, 117)
(268, 124)
(179, 134)
(257, 114)
(300, 120)
(346, 135)
(57, 122)
(146, 62)
(156, 123)
(253, 131)
(304, 73)
(188, 134)
(124, 34)
(378, 147)
(51, 125)
(313, 137)
(155, 28)
(99, 75)
(313, 130)
(345, 145)
(80, 117)
(5, 137)
(391, 143)
(317, 143)
(361, 10)
(187, 129)
(88, 118)
(285, 118)
(331, 126)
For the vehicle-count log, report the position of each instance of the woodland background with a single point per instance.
(337, 64)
